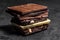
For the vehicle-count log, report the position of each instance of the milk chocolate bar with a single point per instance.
(27, 9)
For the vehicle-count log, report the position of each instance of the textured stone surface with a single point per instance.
(8, 32)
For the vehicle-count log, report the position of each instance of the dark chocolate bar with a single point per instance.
(34, 29)
(44, 15)
(35, 13)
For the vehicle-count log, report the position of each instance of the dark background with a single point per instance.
(8, 32)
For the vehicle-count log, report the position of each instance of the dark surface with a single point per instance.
(8, 32)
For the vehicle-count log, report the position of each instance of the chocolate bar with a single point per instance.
(29, 29)
(33, 30)
(45, 15)
(27, 9)
(28, 21)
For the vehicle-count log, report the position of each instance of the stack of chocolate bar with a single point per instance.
(30, 18)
